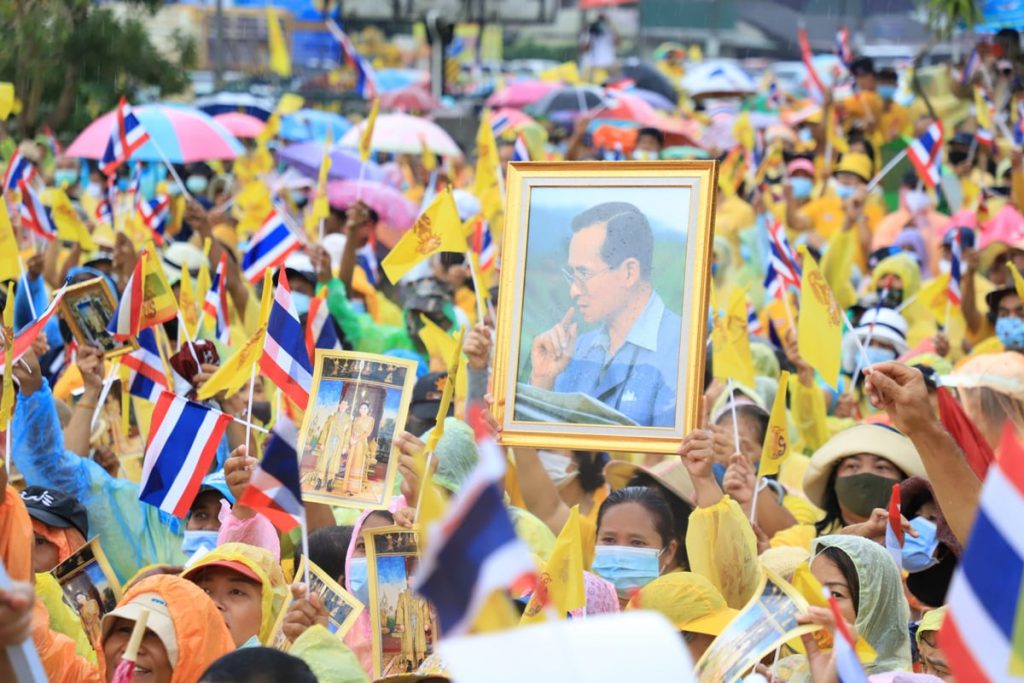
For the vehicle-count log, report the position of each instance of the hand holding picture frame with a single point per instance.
(87, 309)
(342, 607)
(90, 586)
(602, 318)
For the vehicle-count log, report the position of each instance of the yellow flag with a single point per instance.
(743, 131)
(1018, 281)
(561, 582)
(486, 186)
(366, 137)
(10, 269)
(776, 439)
(7, 400)
(982, 110)
(811, 589)
(820, 324)
(188, 304)
(437, 229)
(158, 303)
(429, 158)
(235, 372)
(6, 100)
(203, 278)
(289, 103)
(566, 72)
(442, 347)
(277, 46)
(252, 206)
(731, 344)
(497, 614)
(69, 225)
(321, 207)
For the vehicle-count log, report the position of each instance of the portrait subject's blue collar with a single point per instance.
(643, 334)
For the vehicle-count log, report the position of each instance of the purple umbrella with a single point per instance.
(306, 158)
(392, 206)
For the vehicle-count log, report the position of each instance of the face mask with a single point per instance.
(917, 201)
(801, 187)
(862, 493)
(876, 354)
(357, 579)
(892, 298)
(628, 569)
(557, 467)
(196, 184)
(844, 192)
(957, 157)
(94, 190)
(887, 92)
(194, 540)
(65, 177)
(1011, 333)
(805, 135)
(918, 553)
(301, 302)
(944, 267)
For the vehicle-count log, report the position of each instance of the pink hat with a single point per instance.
(800, 165)
(1006, 227)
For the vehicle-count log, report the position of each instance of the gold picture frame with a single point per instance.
(347, 456)
(89, 585)
(342, 607)
(396, 613)
(650, 399)
(87, 309)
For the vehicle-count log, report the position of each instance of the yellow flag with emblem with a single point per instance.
(486, 186)
(561, 582)
(235, 372)
(158, 302)
(69, 224)
(776, 439)
(10, 269)
(321, 207)
(429, 159)
(983, 111)
(366, 137)
(820, 323)
(731, 343)
(188, 304)
(7, 400)
(280, 56)
(441, 348)
(437, 229)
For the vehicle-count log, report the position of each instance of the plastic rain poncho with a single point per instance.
(722, 548)
(329, 659)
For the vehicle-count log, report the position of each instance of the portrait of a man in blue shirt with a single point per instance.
(628, 359)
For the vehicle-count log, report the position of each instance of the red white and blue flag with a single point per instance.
(970, 67)
(104, 212)
(473, 549)
(366, 257)
(984, 597)
(925, 154)
(52, 142)
(843, 51)
(126, 138)
(808, 58)
(520, 152)
(366, 77)
(269, 247)
(754, 325)
(894, 528)
(320, 332)
(124, 324)
(499, 124)
(24, 338)
(285, 359)
(482, 245)
(18, 168)
(783, 271)
(155, 214)
(215, 305)
(183, 440)
(955, 259)
(35, 215)
(848, 668)
(149, 377)
(273, 488)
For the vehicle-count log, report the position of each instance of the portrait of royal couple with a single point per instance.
(347, 441)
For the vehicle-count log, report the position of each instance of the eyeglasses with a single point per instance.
(580, 277)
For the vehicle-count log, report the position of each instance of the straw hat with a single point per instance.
(669, 473)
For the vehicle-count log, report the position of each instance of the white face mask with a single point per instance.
(944, 267)
(917, 201)
(557, 467)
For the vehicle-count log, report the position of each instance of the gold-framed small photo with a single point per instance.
(87, 308)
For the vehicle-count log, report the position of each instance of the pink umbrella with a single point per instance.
(402, 134)
(395, 210)
(412, 98)
(630, 107)
(241, 125)
(513, 117)
(521, 93)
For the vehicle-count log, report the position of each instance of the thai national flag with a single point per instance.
(26, 335)
(51, 140)
(18, 168)
(155, 214)
(754, 326)
(273, 488)
(320, 332)
(499, 124)
(483, 245)
(215, 306)
(124, 324)
(783, 271)
(955, 259)
(970, 67)
(519, 151)
(981, 628)
(366, 77)
(126, 138)
(269, 247)
(366, 257)
(473, 549)
(183, 440)
(808, 58)
(35, 215)
(848, 668)
(843, 51)
(925, 153)
(149, 377)
(104, 212)
(285, 359)
(894, 528)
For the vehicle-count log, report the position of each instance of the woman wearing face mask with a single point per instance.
(826, 216)
(897, 280)
(799, 184)
(931, 556)
(883, 335)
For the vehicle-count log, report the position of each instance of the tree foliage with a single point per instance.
(947, 16)
(71, 60)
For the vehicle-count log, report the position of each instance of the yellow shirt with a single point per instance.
(827, 214)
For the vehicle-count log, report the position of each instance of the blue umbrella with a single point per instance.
(396, 79)
(312, 124)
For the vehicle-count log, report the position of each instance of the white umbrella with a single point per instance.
(717, 78)
(401, 134)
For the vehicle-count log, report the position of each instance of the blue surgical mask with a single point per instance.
(358, 580)
(301, 302)
(194, 540)
(801, 187)
(65, 177)
(196, 184)
(628, 569)
(919, 553)
(1011, 333)
(844, 192)
(887, 92)
(879, 355)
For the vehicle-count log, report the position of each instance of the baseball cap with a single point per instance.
(55, 508)
(233, 565)
(217, 482)
(426, 395)
(159, 622)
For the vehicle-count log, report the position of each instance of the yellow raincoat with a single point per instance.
(919, 323)
(722, 548)
(328, 657)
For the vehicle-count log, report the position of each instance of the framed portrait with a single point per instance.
(89, 585)
(602, 310)
(87, 309)
(358, 404)
(342, 607)
(109, 439)
(403, 625)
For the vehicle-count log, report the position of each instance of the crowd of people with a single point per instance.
(930, 388)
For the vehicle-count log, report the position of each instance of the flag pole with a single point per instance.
(476, 288)
(753, 500)
(28, 289)
(107, 382)
(188, 337)
(885, 169)
(304, 533)
(248, 410)
(170, 167)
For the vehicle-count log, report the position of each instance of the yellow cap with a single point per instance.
(858, 164)
(931, 621)
(227, 236)
(688, 600)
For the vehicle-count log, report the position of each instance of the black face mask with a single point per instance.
(171, 328)
(957, 157)
(892, 298)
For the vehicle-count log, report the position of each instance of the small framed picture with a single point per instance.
(87, 309)
(90, 587)
(342, 607)
(358, 404)
(602, 313)
(403, 625)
